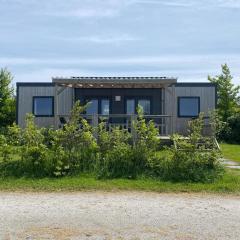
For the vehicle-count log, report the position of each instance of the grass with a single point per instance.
(231, 151)
(230, 183)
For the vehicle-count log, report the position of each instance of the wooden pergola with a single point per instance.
(168, 84)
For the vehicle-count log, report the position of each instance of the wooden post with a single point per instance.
(56, 106)
(163, 121)
(133, 132)
(173, 130)
(73, 96)
(95, 124)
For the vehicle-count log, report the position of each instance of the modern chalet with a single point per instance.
(169, 103)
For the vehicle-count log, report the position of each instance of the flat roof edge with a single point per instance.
(47, 84)
(195, 84)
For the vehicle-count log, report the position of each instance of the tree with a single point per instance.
(228, 97)
(7, 100)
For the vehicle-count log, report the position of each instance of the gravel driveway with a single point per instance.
(120, 215)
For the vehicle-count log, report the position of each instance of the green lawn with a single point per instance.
(230, 183)
(231, 151)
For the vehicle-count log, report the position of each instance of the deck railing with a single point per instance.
(125, 121)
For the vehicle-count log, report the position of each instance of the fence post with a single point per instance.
(95, 125)
(133, 131)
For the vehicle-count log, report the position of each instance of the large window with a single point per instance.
(131, 105)
(98, 106)
(43, 106)
(145, 104)
(92, 107)
(105, 106)
(188, 106)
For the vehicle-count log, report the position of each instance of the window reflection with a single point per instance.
(130, 106)
(188, 106)
(105, 107)
(145, 104)
(92, 107)
(43, 106)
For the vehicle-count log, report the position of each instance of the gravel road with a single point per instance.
(120, 215)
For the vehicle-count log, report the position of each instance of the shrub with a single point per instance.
(123, 154)
(77, 141)
(190, 159)
(114, 159)
(231, 133)
(5, 149)
(112, 154)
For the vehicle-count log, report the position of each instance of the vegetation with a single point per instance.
(228, 106)
(229, 183)
(231, 131)
(7, 100)
(195, 159)
(228, 97)
(78, 148)
(231, 151)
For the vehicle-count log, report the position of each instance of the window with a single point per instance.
(92, 107)
(43, 106)
(188, 106)
(145, 104)
(98, 106)
(105, 106)
(130, 106)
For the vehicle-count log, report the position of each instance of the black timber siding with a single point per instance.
(154, 94)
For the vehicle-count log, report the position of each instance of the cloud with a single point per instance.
(86, 9)
(45, 74)
(167, 3)
(186, 67)
(229, 3)
(125, 61)
(193, 3)
(70, 8)
(84, 13)
(108, 39)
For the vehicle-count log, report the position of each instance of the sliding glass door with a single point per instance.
(145, 105)
(98, 106)
(131, 106)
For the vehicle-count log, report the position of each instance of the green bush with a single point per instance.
(77, 140)
(193, 159)
(5, 149)
(231, 133)
(114, 159)
(123, 154)
(188, 166)
(78, 147)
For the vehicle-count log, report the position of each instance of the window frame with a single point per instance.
(136, 100)
(42, 115)
(99, 99)
(89, 101)
(188, 97)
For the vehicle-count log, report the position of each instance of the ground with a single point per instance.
(231, 151)
(118, 215)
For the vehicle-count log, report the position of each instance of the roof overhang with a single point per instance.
(114, 82)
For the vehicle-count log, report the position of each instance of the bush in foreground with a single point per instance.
(190, 159)
(78, 148)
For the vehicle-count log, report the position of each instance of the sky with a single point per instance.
(187, 39)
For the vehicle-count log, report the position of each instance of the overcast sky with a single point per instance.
(188, 39)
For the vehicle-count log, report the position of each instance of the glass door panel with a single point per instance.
(130, 108)
(105, 107)
(92, 107)
(145, 104)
